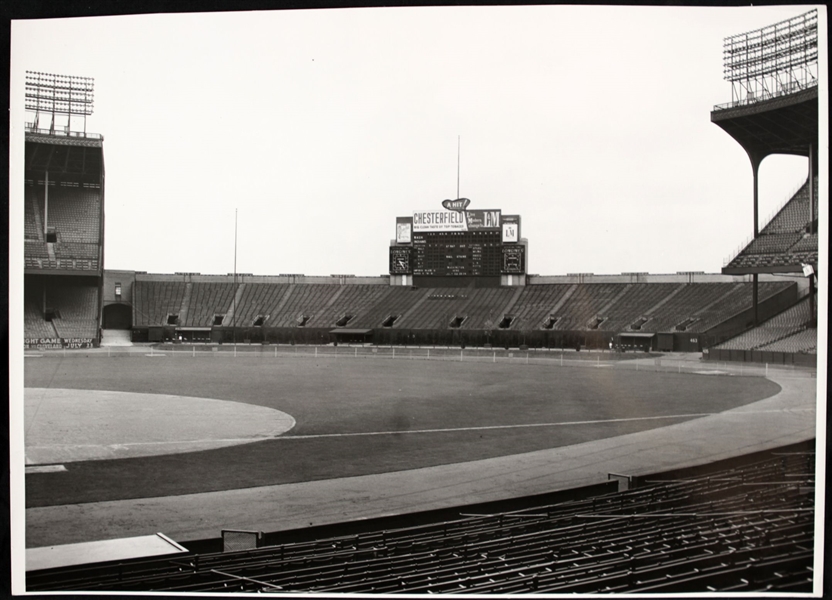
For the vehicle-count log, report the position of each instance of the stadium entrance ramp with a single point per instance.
(115, 337)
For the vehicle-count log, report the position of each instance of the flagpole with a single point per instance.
(234, 301)
(457, 166)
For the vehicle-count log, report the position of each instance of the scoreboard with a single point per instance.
(460, 243)
(456, 253)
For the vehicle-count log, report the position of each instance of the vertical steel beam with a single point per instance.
(755, 167)
(811, 187)
(45, 205)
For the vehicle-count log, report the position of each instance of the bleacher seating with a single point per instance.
(584, 304)
(33, 249)
(536, 303)
(748, 528)
(153, 301)
(259, 299)
(741, 299)
(74, 212)
(33, 224)
(780, 327)
(773, 243)
(802, 341)
(393, 302)
(34, 325)
(206, 300)
(305, 300)
(795, 213)
(354, 301)
(74, 306)
(783, 241)
(788, 259)
(70, 250)
(78, 307)
(436, 310)
(575, 306)
(807, 243)
(635, 302)
(485, 308)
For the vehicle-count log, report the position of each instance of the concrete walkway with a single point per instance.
(788, 417)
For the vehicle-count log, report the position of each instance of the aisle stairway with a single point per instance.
(115, 337)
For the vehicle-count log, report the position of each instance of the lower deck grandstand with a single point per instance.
(63, 308)
(790, 331)
(747, 528)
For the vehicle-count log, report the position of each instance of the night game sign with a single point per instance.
(57, 343)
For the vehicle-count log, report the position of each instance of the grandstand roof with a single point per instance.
(79, 157)
(771, 263)
(782, 125)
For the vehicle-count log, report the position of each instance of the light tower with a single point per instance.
(50, 95)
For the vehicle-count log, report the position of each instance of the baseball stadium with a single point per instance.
(455, 425)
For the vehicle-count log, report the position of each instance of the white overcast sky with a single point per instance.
(320, 127)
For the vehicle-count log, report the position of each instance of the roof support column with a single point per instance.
(812, 188)
(812, 321)
(754, 297)
(755, 170)
(45, 204)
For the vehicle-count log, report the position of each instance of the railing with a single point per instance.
(627, 361)
(785, 90)
(64, 132)
(767, 221)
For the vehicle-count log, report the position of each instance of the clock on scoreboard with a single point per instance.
(400, 260)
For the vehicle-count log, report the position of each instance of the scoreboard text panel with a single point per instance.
(457, 253)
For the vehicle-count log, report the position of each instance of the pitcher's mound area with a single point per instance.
(64, 425)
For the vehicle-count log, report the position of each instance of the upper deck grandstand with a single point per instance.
(774, 110)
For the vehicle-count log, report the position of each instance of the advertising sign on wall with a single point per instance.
(511, 228)
(483, 220)
(57, 343)
(404, 226)
(438, 220)
(451, 220)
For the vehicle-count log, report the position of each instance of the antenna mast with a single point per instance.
(457, 166)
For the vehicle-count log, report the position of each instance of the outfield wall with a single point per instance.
(443, 338)
(762, 356)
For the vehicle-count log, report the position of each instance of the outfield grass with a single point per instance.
(345, 395)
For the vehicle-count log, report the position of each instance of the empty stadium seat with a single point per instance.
(743, 527)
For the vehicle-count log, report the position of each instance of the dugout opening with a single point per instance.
(351, 336)
(193, 334)
(629, 340)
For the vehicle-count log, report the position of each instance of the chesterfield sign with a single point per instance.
(456, 218)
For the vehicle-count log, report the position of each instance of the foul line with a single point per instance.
(487, 427)
(528, 425)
